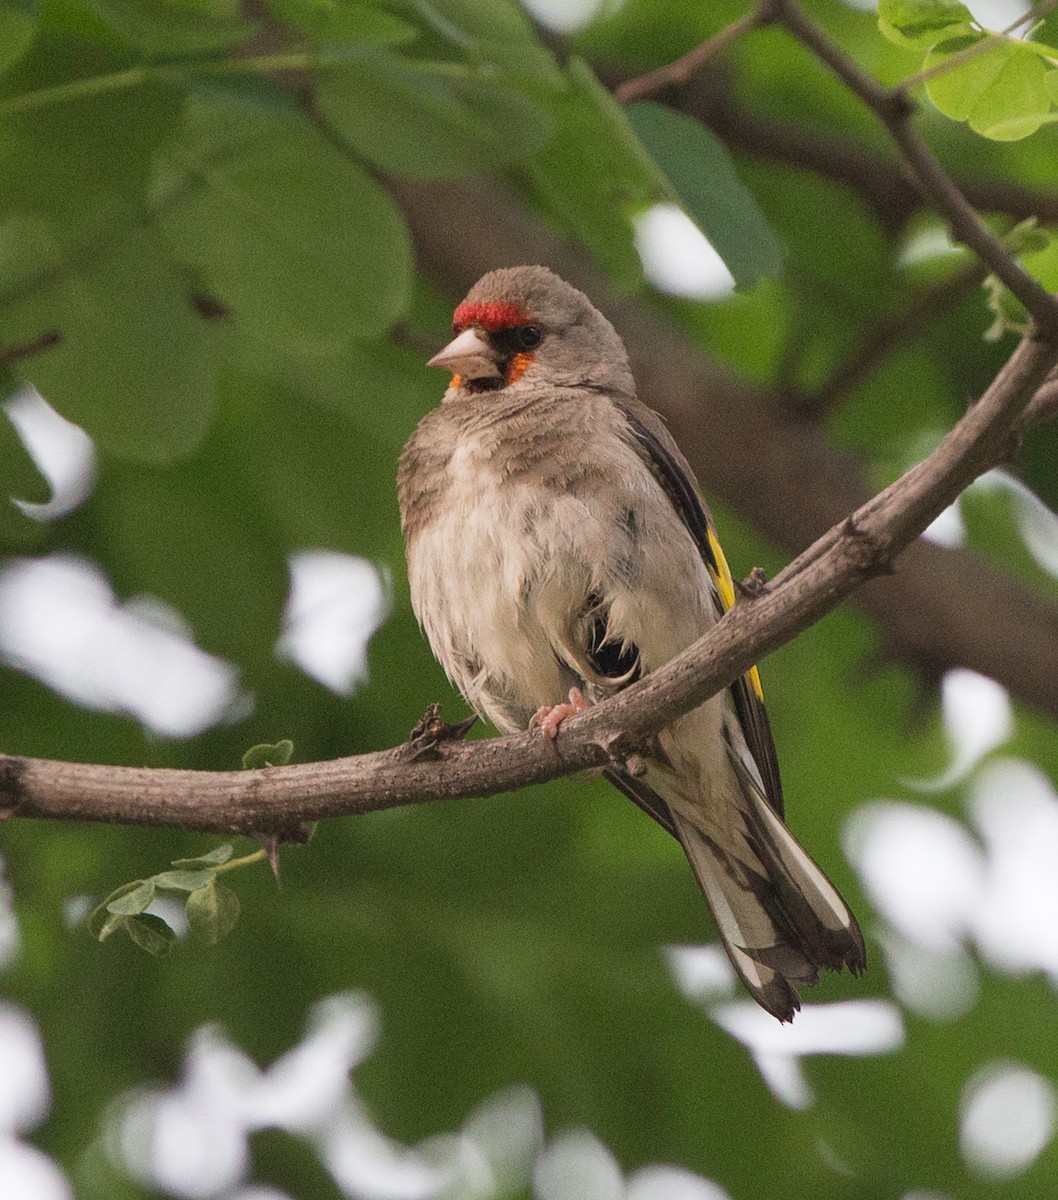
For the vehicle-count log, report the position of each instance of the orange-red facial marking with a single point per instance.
(518, 367)
(492, 316)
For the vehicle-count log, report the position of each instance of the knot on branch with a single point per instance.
(625, 753)
(430, 731)
(753, 586)
(864, 551)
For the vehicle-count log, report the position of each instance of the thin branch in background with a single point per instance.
(894, 109)
(1044, 405)
(883, 338)
(15, 354)
(683, 68)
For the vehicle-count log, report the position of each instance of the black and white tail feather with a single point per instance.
(781, 921)
(780, 918)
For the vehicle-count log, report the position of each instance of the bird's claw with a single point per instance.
(548, 717)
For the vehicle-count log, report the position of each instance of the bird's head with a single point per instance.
(524, 323)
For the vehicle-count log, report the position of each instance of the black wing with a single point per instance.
(674, 474)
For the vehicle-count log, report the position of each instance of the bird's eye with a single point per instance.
(529, 337)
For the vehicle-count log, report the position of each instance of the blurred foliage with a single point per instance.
(226, 270)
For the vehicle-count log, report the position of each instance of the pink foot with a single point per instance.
(548, 717)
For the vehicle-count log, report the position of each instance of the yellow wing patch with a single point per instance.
(725, 585)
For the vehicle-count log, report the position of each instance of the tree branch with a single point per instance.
(683, 68)
(280, 797)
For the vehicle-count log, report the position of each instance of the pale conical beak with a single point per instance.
(469, 355)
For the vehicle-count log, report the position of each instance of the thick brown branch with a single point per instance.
(815, 584)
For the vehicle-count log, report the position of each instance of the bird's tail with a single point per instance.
(780, 918)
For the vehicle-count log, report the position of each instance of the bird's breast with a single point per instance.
(518, 543)
(494, 575)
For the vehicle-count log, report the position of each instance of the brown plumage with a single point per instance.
(557, 539)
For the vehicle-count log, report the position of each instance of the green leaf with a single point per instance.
(150, 933)
(212, 912)
(1027, 237)
(131, 899)
(343, 21)
(132, 365)
(1003, 93)
(215, 858)
(17, 30)
(108, 924)
(297, 240)
(172, 27)
(83, 164)
(267, 755)
(430, 120)
(102, 921)
(1038, 254)
(918, 24)
(705, 184)
(182, 880)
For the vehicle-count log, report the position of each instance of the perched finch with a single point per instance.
(558, 545)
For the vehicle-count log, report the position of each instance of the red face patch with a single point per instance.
(491, 316)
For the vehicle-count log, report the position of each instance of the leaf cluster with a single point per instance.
(1004, 87)
(211, 908)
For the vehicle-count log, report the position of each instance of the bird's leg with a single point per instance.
(548, 717)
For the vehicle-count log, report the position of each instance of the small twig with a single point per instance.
(683, 68)
(233, 864)
(15, 354)
(1044, 405)
(894, 109)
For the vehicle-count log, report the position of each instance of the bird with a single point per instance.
(558, 549)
